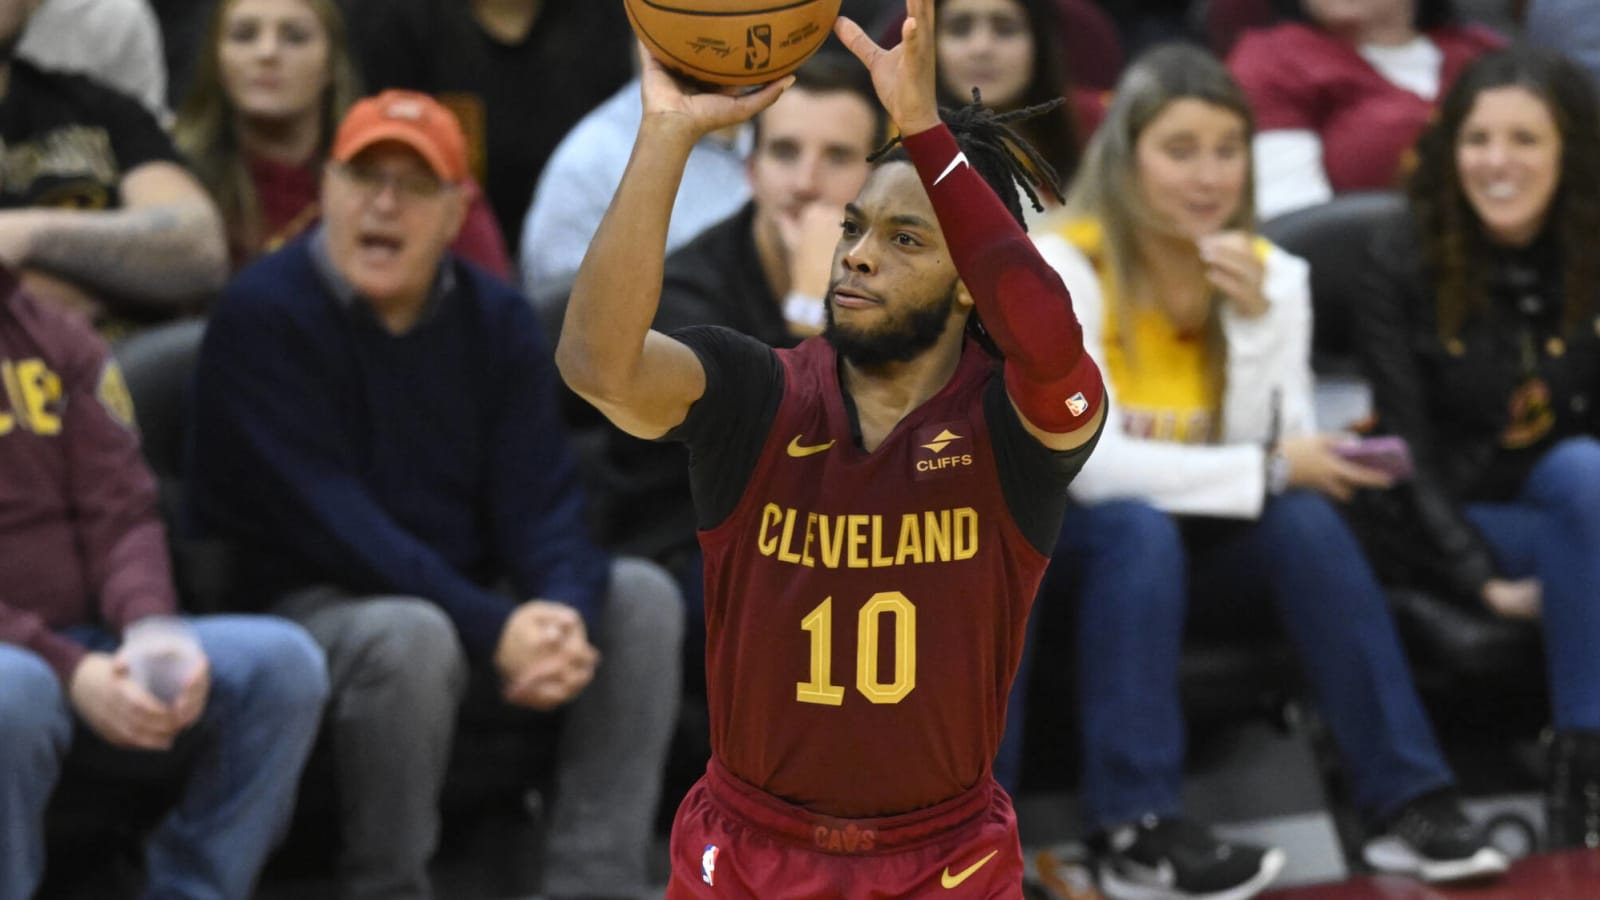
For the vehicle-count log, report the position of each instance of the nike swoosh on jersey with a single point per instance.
(797, 449)
(959, 160)
(951, 882)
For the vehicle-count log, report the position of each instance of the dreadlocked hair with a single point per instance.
(1001, 158)
(995, 151)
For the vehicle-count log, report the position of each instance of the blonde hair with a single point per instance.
(207, 123)
(1106, 188)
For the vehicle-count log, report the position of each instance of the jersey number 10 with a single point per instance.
(821, 689)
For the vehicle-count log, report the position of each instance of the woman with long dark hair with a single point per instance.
(1480, 326)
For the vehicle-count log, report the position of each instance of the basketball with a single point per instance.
(732, 42)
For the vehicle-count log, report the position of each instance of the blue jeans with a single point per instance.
(268, 685)
(1552, 532)
(1137, 574)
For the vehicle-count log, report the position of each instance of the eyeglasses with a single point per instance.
(371, 181)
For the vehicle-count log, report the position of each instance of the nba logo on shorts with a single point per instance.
(1076, 404)
(708, 865)
(758, 46)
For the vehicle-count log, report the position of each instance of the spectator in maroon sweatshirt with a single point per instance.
(83, 556)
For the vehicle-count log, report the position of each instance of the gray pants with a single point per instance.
(398, 674)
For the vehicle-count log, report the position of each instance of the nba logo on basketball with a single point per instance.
(757, 46)
(708, 865)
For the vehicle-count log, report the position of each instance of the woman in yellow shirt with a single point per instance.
(1211, 490)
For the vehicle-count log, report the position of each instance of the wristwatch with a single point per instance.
(1278, 470)
(804, 309)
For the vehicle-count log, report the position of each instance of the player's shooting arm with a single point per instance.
(1053, 383)
(642, 380)
(163, 249)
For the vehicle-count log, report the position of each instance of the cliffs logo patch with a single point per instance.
(757, 47)
(708, 865)
(941, 448)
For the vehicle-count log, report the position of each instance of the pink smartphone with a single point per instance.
(1386, 453)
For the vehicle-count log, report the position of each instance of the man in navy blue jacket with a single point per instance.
(375, 429)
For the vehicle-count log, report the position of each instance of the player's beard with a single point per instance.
(900, 339)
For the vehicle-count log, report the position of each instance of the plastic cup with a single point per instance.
(162, 652)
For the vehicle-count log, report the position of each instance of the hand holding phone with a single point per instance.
(1388, 454)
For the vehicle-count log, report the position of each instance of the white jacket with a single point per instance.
(1268, 356)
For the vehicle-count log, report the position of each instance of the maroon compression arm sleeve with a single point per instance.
(1023, 304)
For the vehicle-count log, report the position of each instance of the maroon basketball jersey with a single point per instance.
(866, 611)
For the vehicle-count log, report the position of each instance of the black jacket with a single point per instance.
(1478, 411)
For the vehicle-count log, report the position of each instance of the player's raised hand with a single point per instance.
(903, 77)
(700, 112)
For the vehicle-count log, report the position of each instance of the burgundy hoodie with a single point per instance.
(80, 537)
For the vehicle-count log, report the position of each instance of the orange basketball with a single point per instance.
(732, 42)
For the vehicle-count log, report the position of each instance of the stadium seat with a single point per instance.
(158, 365)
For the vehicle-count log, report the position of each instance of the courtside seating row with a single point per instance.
(1224, 676)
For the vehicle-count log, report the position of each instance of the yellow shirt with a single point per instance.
(1167, 386)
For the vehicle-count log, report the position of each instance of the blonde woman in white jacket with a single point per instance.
(1212, 494)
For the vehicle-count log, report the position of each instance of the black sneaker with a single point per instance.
(1572, 794)
(1432, 839)
(1175, 859)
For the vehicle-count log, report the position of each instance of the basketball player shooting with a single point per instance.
(876, 505)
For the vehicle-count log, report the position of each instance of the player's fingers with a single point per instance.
(856, 41)
(919, 22)
(753, 103)
(648, 63)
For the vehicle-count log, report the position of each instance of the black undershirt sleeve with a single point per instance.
(727, 427)
(1033, 477)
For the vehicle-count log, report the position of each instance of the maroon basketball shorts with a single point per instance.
(730, 840)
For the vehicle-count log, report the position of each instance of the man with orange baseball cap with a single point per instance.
(395, 412)
(407, 117)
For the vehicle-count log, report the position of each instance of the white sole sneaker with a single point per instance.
(1115, 888)
(1390, 854)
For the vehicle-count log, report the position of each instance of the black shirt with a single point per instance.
(717, 279)
(515, 101)
(68, 141)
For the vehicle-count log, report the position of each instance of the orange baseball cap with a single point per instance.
(414, 119)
